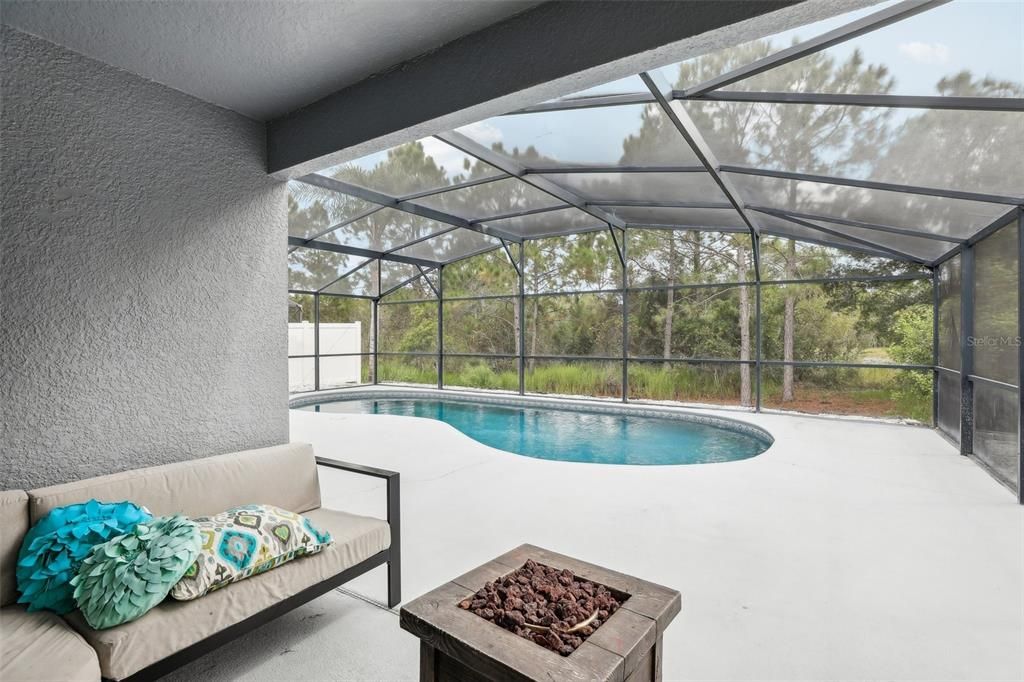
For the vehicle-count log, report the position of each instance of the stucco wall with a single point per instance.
(143, 273)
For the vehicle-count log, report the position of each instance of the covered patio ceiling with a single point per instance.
(894, 131)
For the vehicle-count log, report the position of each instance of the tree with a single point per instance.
(912, 345)
(969, 150)
(812, 139)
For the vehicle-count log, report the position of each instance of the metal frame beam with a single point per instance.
(859, 100)
(452, 188)
(716, 205)
(935, 347)
(388, 201)
(511, 260)
(758, 365)
(573, 170)
(830, 244)
(574, 103)
(1020, 355)
(875, 185)
(861, 224)
(1001, 221)
(440, 327)
(346, 274)
(519, 214)
(824, 41)
(550, 235)
(816, 98)
(501, 162)
(343, 223)
(414, 242)
(521, 302)
(693, 137)
(892, 253)
(686, 228)
(357, 251)
(316, 341)
(409, 280)
(623, 255)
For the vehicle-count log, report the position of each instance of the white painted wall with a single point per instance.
(335, 337)
(142, 273)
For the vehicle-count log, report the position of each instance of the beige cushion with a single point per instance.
(13, 526)
(41, 646)
(284, 476)
(174, 625)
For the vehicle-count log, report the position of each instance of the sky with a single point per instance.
(983, 36)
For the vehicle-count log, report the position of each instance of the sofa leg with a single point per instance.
(394, 582)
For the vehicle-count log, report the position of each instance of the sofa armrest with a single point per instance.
(394, 517)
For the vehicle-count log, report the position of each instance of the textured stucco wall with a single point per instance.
(142, 277)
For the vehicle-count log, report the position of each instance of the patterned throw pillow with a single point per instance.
(128, 575)
(245, 541)
(53, 549)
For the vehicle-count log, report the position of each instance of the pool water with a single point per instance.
(574, 436)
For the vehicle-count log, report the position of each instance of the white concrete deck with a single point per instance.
(846, 551)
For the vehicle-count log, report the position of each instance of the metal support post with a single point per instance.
(966, 350)
(625, 317)
(316, 342)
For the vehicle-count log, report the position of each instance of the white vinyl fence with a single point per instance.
(335, 337)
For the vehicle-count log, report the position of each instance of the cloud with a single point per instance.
(926, 53)
(483, 132)
(450, 158)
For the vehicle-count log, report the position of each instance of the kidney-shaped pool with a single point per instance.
(602, 434)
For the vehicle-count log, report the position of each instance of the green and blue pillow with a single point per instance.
(53, 549)
(115, 562)
(246, 541)
(128, 575)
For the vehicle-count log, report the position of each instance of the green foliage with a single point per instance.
(831, 322)
(478, 374)
(575, 378)
(716, 384)
(912, 336)
(912, 345)
(398, 370)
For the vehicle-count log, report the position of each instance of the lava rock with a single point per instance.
(544, 604)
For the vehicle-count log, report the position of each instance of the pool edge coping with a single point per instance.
(569, 404)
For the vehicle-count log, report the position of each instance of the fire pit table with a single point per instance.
(523, 616)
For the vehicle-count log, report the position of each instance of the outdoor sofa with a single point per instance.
(44, 646)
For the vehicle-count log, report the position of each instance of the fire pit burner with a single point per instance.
(551, 607)
(457, 645)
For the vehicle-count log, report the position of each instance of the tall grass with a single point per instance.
(478, 374)
(863, 391)
(575, 378)
(718, 384)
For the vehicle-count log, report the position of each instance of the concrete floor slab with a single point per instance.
(848, 550)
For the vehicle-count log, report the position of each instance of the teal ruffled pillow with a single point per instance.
(128, 575)
(53, 549)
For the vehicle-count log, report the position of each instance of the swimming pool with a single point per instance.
(605, 435)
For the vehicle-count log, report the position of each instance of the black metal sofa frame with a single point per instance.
(392, 556)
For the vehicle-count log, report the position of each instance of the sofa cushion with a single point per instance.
(284, 476)
(174, 625)
(13, 526)
(41, 646)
